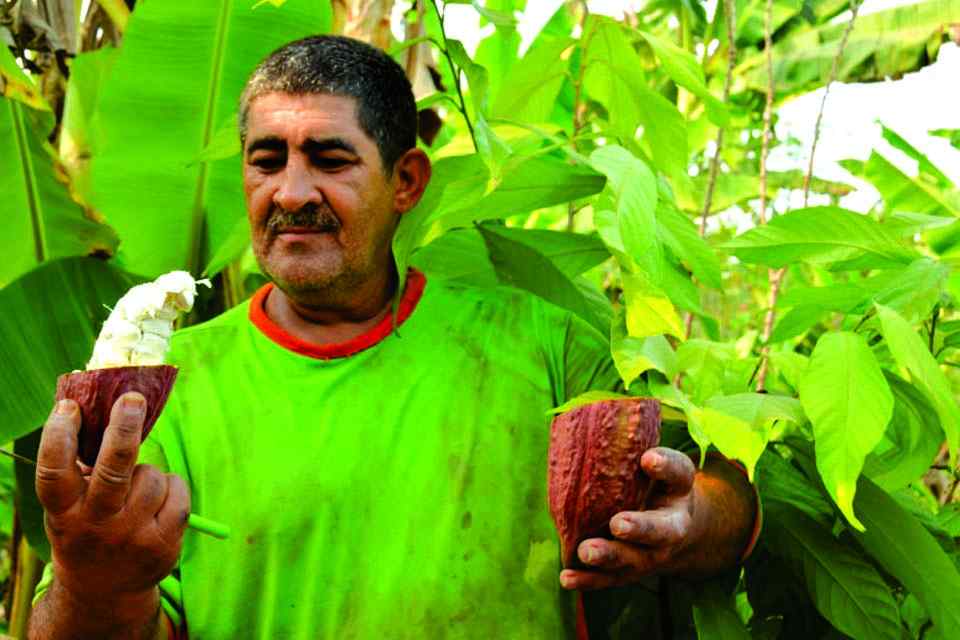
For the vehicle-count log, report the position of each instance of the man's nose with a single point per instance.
(295, 189)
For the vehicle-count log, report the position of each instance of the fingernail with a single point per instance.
(133, 404)
(621, 527)
(65, 407)
(594, 555)
(566, 580)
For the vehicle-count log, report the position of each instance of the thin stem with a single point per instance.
(767, 109)
(456, 77)
(729, 9)
(776, 276)
(578, 107)
(933, 325)
(854, 8)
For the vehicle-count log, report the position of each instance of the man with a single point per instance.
(381, 480)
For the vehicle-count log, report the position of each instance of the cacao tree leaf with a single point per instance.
(733, 437)
(518, 265)
(911, 441)
(901, 192)
(649, 310)
(41, 221)
(634, 356)
(849, 403)
(907, 551)
(151, 133)
(531, 86)
(460, 255)
(780, 481)
(845, 588)
(797, 321)
(675, 230)
(683, 68)
(612, 77)
(912, 355)
(799, 235)
(634, 189)
(715, 614)
(588, 397)
(758, 409)
(925, 167)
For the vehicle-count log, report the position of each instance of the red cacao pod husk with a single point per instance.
(97, 390)
(594, 467)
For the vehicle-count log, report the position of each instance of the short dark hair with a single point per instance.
(341, 66)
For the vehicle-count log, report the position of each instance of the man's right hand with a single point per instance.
(116, 532)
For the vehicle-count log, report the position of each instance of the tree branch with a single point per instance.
(776, 276)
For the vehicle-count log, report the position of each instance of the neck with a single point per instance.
(331, 319)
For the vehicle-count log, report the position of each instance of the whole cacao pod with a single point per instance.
(594, 466)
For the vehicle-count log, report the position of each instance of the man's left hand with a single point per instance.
(655, 541)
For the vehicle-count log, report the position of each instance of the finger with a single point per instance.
(59, 483)
(672, 470)
(148, 491)
(655, 528)
(612, 555)
(110, 481)
(173, 513)
(590, 580)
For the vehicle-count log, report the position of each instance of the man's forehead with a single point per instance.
(303, 115)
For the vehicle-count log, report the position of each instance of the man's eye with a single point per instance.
(328, 162)
(268, 162)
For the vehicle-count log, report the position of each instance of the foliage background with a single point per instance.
(817, 347)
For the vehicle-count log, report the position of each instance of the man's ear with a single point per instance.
(411, 173)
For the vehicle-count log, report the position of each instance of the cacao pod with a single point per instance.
(594, 467)
(96, 391)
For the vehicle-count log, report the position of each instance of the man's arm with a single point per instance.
(60, 615)
(698, 523)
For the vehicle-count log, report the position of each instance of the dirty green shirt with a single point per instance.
(396, 490)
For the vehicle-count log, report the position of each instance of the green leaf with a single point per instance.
(907, 551)
(911, 354)
(758, 409)
(461, 256)
(797, 321)
(676, 231)
(530, 88)
(845, 588)
(715, 614)
(518, 265)
(634, 356)
(613, 77)
(778, 480)
(684, 69)
(586, 398)
(799, 235)
(17, 85)
(232, 248)
(634, 189)
(735, 438)
(41, 221)
(649, 310)
(151, 133)
(50, 320)
(849, 403)
(923, 162)
(911, 442)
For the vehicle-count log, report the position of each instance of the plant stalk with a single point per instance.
(456, 78)
(776, 276)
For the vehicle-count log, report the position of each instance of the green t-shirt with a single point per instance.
(396, 492)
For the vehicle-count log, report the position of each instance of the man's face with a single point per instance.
(321, 210)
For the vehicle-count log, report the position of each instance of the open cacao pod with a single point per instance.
(594, 467)
(96, 391)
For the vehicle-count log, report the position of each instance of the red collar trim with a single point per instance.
(416, 282)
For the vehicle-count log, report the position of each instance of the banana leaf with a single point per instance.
(174, 85)
(883, 44)
(41, 221)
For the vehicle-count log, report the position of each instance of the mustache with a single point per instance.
(310, 216)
